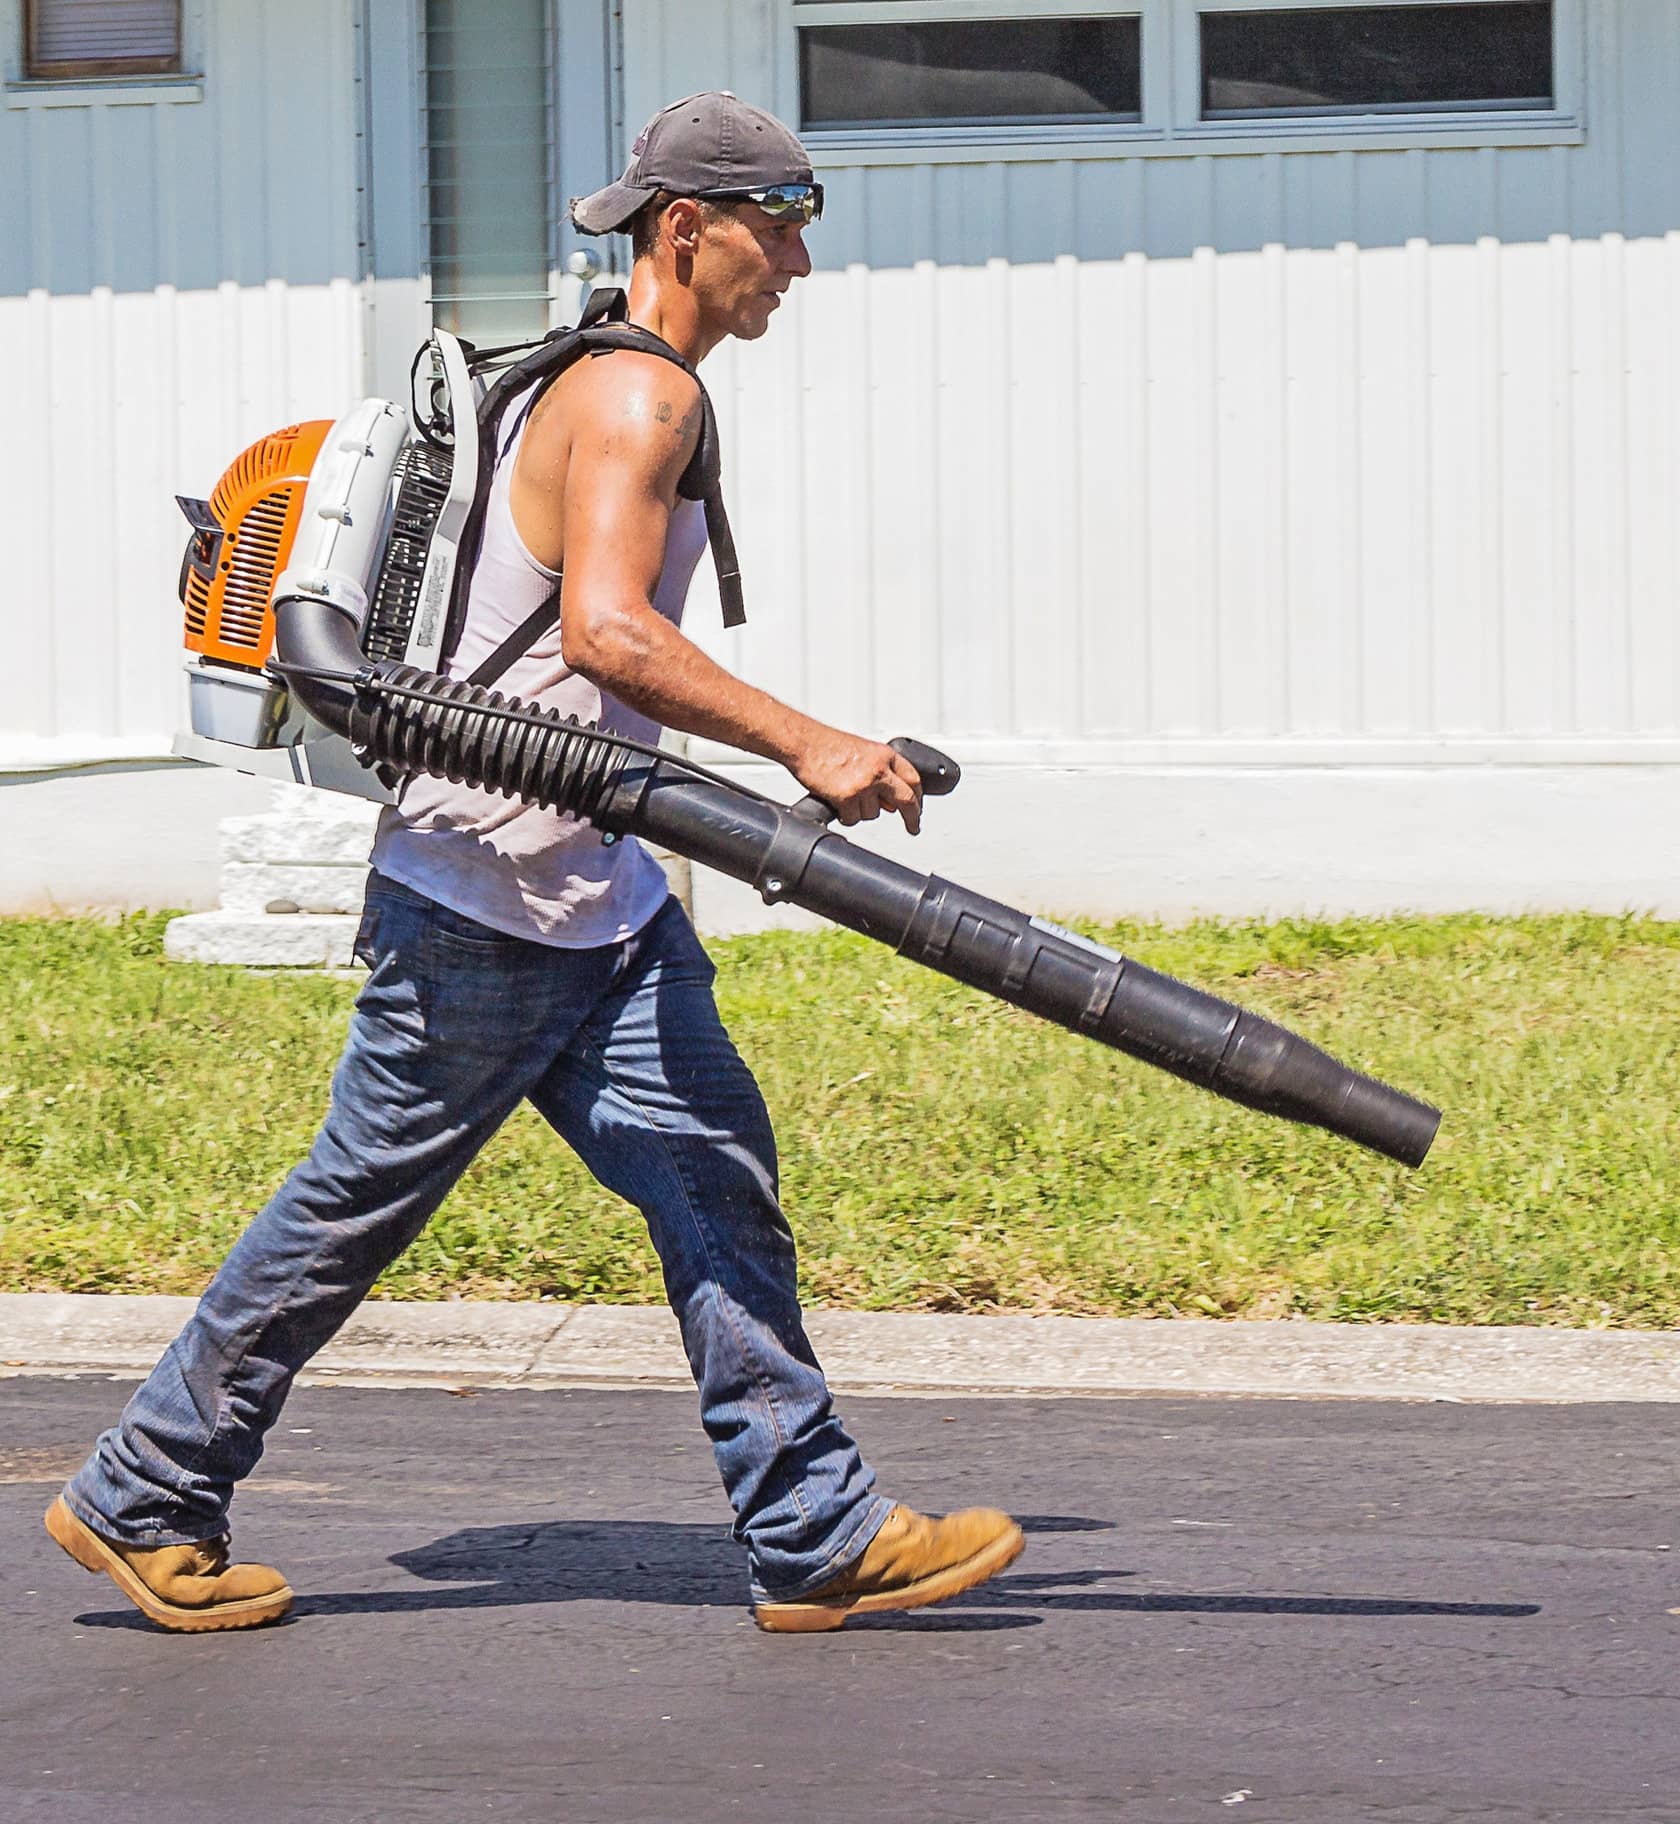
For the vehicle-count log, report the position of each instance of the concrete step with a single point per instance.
(297, 886)
(257, 940)
(321, 838)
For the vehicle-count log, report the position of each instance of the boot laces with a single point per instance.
(213, 1556)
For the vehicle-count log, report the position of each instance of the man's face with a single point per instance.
(744, 265)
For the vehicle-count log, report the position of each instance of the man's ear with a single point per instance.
(684, 218)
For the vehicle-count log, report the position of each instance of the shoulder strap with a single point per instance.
(604, 326)
(607, 305)
(602, 306)
(520, 641)
(704, 466)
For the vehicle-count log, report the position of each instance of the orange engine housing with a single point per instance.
(228, 590)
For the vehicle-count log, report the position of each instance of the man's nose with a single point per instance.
(797, 258)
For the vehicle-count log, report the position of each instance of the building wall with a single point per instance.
(118, 834)
(1211, 506)
(179, 270)
(179, 273)
(1336, 455)
(1207, 470)
(185, 265)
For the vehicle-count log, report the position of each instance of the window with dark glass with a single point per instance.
(67, 39)
(991, 72)
(1376, 59)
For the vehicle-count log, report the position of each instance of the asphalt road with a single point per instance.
(527, 1606)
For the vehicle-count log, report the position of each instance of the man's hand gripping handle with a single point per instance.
(938, 774)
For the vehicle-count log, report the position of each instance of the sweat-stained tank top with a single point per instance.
(530, 872)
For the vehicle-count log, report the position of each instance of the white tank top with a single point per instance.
(530, 872)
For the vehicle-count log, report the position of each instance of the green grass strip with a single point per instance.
(940, 1151)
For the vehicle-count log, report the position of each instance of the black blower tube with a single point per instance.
(416, 721)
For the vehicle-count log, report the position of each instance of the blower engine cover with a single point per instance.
(352, 511)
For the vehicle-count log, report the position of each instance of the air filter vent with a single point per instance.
(249, 581)
(257, 503)
(422, 487)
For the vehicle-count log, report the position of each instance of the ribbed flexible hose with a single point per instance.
(445, 730)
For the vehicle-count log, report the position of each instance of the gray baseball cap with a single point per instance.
(702, 145)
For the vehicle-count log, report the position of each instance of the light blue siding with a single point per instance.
(1250, 455)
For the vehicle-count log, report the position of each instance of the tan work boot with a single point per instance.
(191, 1589)
(913, 1560)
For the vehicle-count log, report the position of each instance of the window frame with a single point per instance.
(979, 12)
(1406, 126)
(98, 69)
(1154, 88)
(1171, 124)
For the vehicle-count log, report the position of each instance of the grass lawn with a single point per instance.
(939, 1150)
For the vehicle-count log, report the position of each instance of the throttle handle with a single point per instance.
(938, 774)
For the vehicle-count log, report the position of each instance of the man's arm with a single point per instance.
(633, 426)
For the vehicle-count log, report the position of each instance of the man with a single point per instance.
(512, 954)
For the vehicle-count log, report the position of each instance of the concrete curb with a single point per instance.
(554, 1345)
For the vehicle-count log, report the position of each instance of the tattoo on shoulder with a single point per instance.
(663, 412)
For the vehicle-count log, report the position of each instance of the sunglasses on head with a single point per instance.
(778, 201)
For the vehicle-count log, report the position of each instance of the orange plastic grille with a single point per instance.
(198, 609)
(249, 580)
(258, 504)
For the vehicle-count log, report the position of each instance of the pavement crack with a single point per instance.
(544, 1345)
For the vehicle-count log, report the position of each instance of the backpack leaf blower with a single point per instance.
(326, 580)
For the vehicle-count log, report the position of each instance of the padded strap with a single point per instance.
(607, 304)
(705, 465)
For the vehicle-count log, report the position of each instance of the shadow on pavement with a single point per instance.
(691, 1565)
(1053, 1592)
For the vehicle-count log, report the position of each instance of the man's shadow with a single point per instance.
(688, 1565)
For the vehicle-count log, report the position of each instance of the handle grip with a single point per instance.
(938, 774)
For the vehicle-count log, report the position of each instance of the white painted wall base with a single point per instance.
(1100, 841)
(116, 837)
(1252, 841)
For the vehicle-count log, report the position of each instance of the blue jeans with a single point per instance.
(621, 1050)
